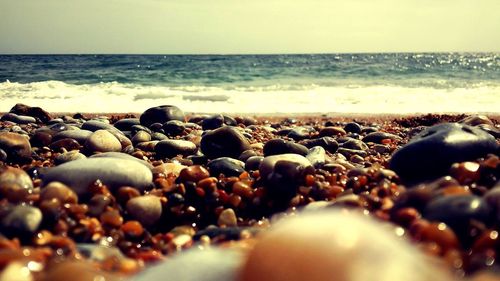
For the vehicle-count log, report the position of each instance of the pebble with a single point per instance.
(15, 184)
(66, 144)
(328, 143)
(431, 153)
(224, 141)
(227, 218)
(59, 191)
(113, 172)
(126, 124)
(253, 163)
(121, 155)
(141, 136)
(18, 119)
(80, 136)
(280, 146)
(193, 173)
(352, 127)
(95, 125)
(351, 143)
(378, 137)
(37, 112)
(172, 148)
(146, 209)
(22, 221)
(331, 131)
(224, 165)
(68, 156)
(161, 114)
(317, 156)
(458, 211)
(41, 139)
(102, 141)
(174, 128)
(16, 146)
(319, 245)
(212, 122)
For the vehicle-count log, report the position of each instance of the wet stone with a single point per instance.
(121, 155)
(317, 156)
(253, 163)
(18, 119)
(193, 173)
(161, 114)
(352, 127)
(299, 133)
(68, 156)
(351, 152)
(95, 125)
(15, 184)
(213, 122)
(328, 143)
(137, 128)
(67, 144)
(79, 174)
(225, 141)
(280, 146)
(59, 191)
(145, 209)
(490, 129)
(431, 153)
(227, 218)
(172, 148)
(16, 146)
(227, 166)
(174, 128)
(458, 211)
(21, 221)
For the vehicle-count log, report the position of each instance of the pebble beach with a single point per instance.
(168, 195)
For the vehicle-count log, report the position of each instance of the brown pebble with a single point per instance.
(58, 191)
(132, 228)
(111, 218)
(194, 173)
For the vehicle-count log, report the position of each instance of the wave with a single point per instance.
(58, 96)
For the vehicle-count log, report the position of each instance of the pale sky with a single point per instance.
(248, 26)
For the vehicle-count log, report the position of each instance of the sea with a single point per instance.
(379, 83)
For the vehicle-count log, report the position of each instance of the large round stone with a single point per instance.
(102, 141)
(113, 172)
(224, 141)
(161, 114)
(326, 246)
(431, 153)
(16, 146)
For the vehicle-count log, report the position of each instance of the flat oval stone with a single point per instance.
(37, 112)
(377, 137)
(228, 166)
(19, 119)
(331, 131)
(18, 148)
(161, 114)
(94, 125)
(431, 153)
(80, 136)
(22, 220)
(126, 124)
(225, 141)
(351, 143)
(280, 146)
(113, 172)
(103, 141)
(146, 209)
(172, 148)
(121, 155)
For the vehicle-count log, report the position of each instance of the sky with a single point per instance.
(247, 26)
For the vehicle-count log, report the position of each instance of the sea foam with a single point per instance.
(57, 96)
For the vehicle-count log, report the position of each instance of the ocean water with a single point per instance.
(255, 84)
